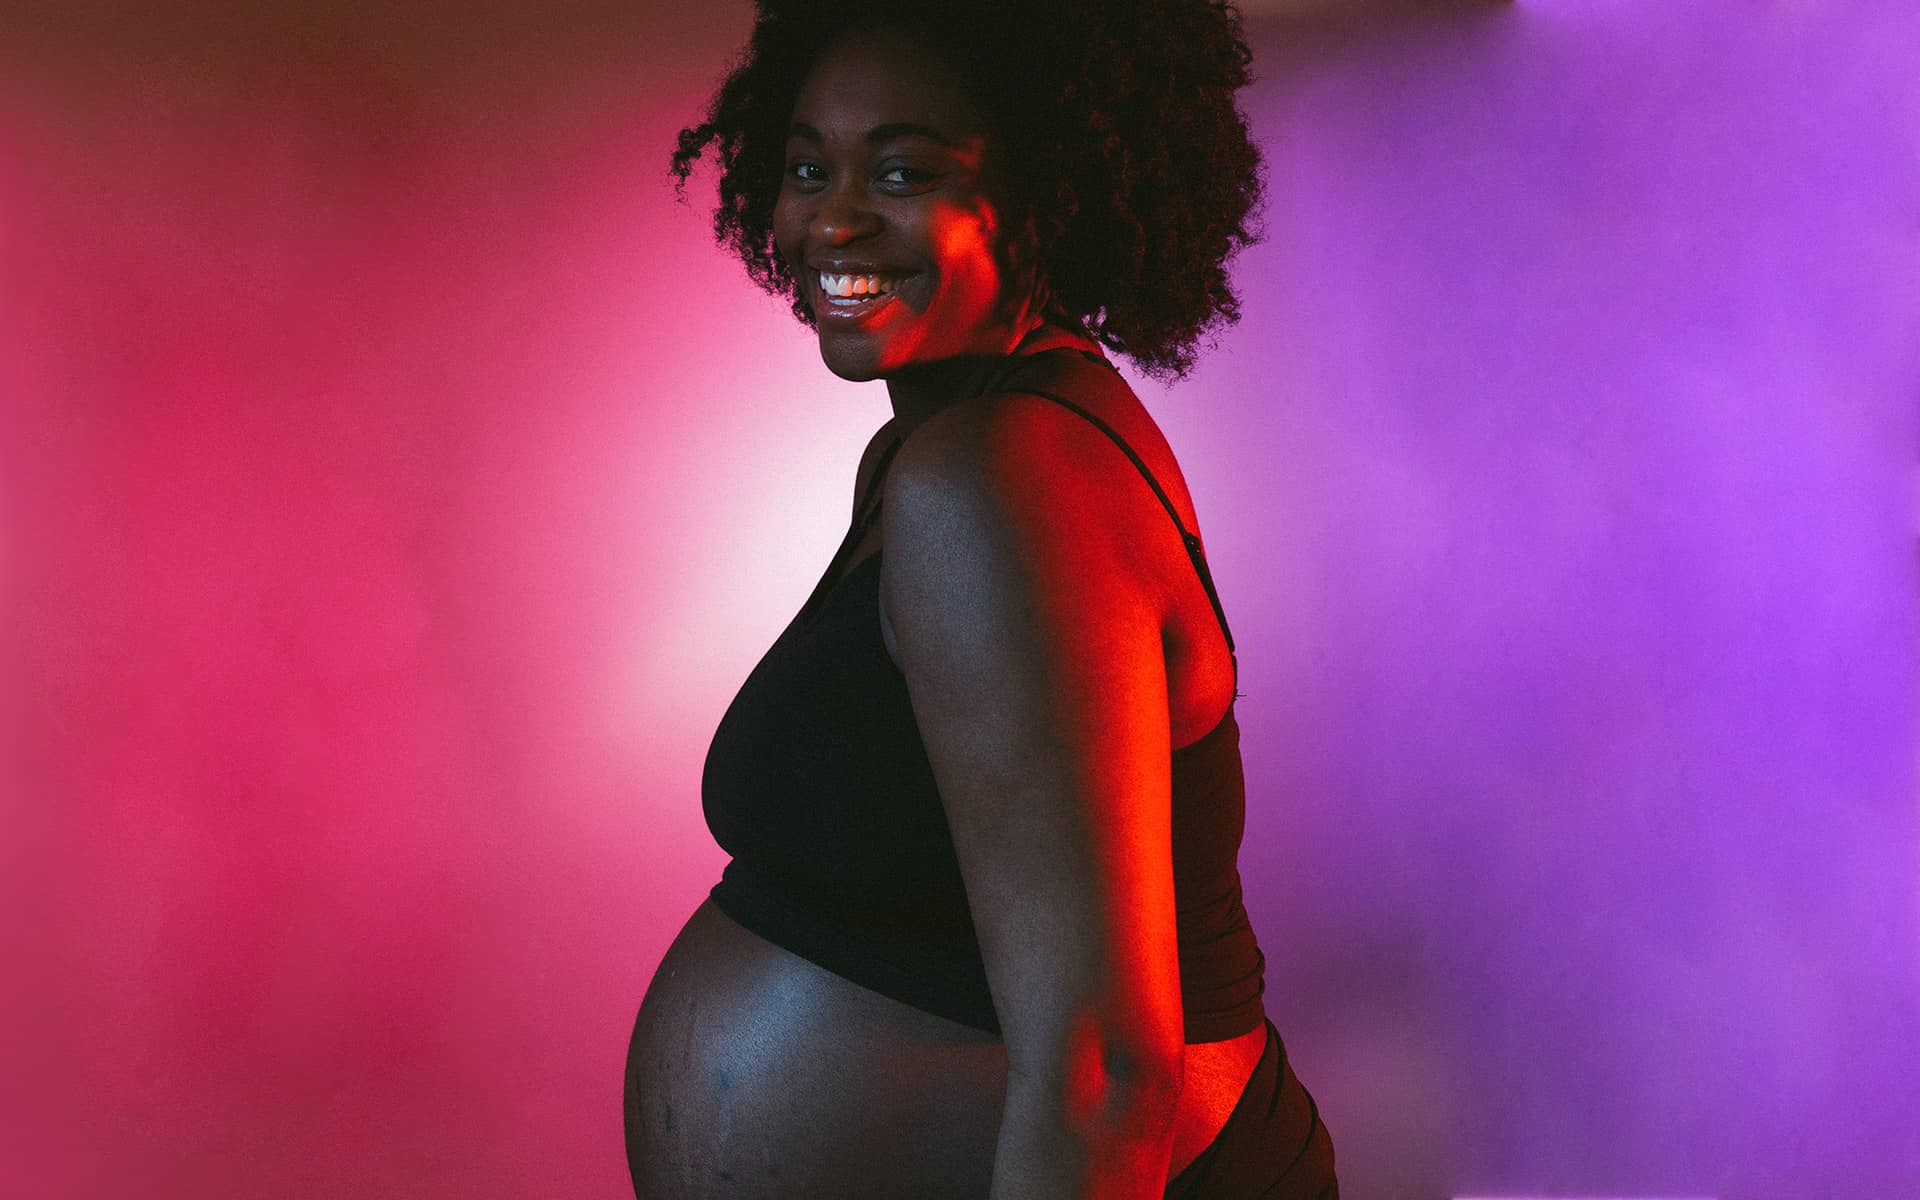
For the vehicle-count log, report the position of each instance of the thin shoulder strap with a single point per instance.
(873, 488)
(1192, 542)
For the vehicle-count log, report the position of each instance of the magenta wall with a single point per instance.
(397, 484)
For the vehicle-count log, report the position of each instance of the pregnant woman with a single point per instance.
(981, 936)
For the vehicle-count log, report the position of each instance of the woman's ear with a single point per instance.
(1023, 248)
(1025, 269)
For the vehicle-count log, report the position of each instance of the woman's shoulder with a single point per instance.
(1020, 450)
(1021, 470)
(1080, 405)
(1028, 422)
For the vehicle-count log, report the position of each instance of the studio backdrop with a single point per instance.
(396, 483)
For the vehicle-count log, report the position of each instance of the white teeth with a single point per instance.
(846, 286)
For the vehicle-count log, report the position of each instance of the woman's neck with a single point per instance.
(919, 392)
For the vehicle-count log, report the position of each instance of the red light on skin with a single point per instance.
(962, 296)
(1087, 1082)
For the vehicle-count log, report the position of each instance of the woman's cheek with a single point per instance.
(966, 254)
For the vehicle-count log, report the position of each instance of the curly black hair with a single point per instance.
(1135, 176)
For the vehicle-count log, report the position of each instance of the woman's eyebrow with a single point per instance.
(879, 133)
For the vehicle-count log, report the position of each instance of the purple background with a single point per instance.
(397, 484)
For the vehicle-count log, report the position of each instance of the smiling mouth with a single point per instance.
(853, 295)
(856, 303)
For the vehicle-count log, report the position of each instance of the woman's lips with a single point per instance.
(835, 311)
(851, 310)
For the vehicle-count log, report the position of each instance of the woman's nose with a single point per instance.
(844, 215)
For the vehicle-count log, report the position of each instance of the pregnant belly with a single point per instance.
(753, 1072)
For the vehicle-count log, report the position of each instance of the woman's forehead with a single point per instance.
(875, 78)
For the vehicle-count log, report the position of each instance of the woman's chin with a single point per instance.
(855, 364)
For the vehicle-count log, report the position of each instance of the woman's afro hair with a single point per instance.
(1131, 163)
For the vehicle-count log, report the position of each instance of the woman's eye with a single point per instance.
(807, 172)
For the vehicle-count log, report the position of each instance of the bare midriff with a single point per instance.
(755, 1073)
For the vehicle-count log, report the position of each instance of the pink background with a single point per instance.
(397, 484)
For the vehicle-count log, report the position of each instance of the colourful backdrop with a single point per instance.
(397, 484)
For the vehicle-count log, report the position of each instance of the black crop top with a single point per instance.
(818, 785)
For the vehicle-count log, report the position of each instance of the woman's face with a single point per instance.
(884, 214)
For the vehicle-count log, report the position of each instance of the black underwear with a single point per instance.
(1273, 1146)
